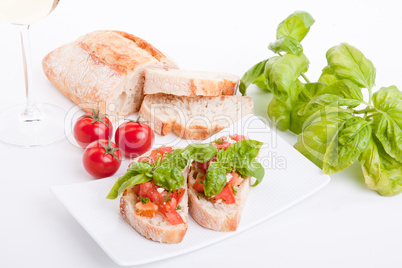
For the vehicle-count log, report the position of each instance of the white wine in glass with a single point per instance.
(30, 124)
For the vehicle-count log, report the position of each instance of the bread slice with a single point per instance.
(193, 117)
(216, 216)
(157, 228)
(104, 70)
(189, 83)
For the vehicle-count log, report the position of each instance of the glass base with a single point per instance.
(43, 126)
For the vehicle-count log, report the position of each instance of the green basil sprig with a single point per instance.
(239, 156)
(166, 173)
(333, 133)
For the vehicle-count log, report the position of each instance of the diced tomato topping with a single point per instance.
(146, 210)
(136, 189)
(199, 184)
(238, 137)
(173, 216)
(177, 194)
(161, 151)
(145, 189)
(165, 202)
(221, 143)
(236, 179)
(169, 210)
(227, 195)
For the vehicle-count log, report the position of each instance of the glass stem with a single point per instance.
(31, 112)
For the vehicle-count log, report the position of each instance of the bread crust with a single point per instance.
(189, 83)
(158, 228)
(222, 217)
(104, 70)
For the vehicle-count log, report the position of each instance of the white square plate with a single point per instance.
(289, 178)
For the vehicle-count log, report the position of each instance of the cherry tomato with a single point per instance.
(91, 127)
(134, 138)
(101, 158)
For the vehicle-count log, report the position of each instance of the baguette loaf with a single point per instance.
(189, 83)
(193, 117)
(104, 70)
(216, 216)
(157, 228)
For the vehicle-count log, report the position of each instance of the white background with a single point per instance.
(343, 225)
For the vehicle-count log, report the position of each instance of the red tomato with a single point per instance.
(199, 184)
(177, 194)
(221, 143)
(238, 137)
(161, 151)
(173, 216)
(166, 202)
(92, 127)
(101, 159)
(236, 180)
(227, 195)
(134, 138)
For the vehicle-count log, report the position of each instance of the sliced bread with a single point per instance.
(216, 216)
(193, 117)
(189, 83)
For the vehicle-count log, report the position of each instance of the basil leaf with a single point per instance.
(339, 93)
(137, 179)
(225, 158)
(282, 73)
(280, 112)
(327, 100)
(319, 130)
(388, 127)
(386, 93)
(309, 91)
(350, 142)
(296, 25)
(328, 76)
(215, 180)
(349, 63)
(255, 170)
(344, 88)
(382, 173)
(176, 159)
(129, 179)
(254, 73)
(140, 167)
(200, 152)
(244, 152)
(286, 44)
(261, 83)
(168, 177)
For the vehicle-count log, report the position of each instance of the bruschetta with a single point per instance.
(218, 189)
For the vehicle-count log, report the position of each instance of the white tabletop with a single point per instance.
(343, 225)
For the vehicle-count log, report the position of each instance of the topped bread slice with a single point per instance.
(158, 213)
(104, 70)
(189, 83)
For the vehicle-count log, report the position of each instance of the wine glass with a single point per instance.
(30, 124)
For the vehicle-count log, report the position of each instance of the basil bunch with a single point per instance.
(166, 173)
(239, 156)
(333, 133)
